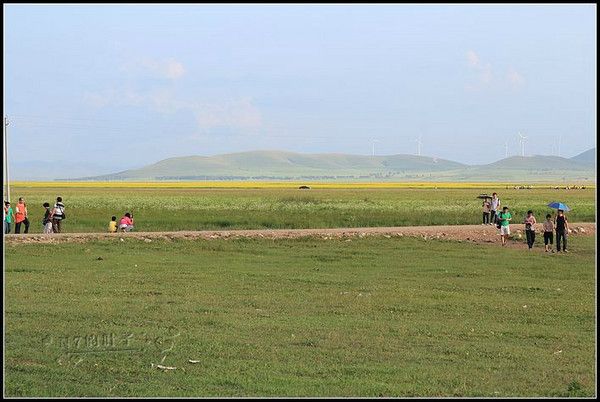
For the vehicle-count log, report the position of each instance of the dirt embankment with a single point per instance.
(465, 233)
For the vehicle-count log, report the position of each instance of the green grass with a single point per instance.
(90, 209)
(303, 317)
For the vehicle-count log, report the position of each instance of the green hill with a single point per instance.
(536, 162)
(281, 165)
(588, 157)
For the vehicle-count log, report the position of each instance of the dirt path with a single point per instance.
(466, 233)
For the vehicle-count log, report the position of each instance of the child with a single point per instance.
(126, 223)
(562, 228)
(486, 212)
(8, 217)
(548, 233)
(530, 229)
(112, 225)
(504, 218)
(47, 221)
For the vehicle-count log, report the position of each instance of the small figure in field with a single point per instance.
(486, 212)
(548, 233)
(530, 229)
(562, 228)
(47, 220)
(126, 223)
(58, 215)
(504, 219)
(112, 225)
(495, 207)
(8, 216)
(21, 216)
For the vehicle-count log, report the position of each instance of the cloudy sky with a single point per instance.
(122, 86)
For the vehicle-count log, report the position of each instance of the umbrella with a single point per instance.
(484, 196)
(559, 205)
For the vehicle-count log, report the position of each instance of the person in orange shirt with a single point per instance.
(21, 216)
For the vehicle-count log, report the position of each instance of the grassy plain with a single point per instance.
(282, 205)
(303, 317)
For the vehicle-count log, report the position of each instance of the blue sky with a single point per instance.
(123, 86)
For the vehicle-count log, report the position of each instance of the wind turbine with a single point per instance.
(506, 149)
(419, 143)
(522, 139)
(374, 141)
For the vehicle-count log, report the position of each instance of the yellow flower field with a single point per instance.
(276, 184)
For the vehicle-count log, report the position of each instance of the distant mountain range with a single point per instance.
(282, 165)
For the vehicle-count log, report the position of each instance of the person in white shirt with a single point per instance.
(494, 207)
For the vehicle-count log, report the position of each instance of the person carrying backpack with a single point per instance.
(495, 206)
(58, 215)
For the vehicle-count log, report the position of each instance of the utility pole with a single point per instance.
(6, 176)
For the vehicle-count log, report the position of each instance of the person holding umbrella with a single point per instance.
(561, 224)
(486, 208)
(486, 211)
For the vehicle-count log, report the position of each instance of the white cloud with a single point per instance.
(240, 113)
(514, 78)
(484, 72)
(472, 59)
(162, 68)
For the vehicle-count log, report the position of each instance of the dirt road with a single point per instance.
(465, 233)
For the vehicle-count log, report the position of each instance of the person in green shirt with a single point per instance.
(8, 217)
(504, 217)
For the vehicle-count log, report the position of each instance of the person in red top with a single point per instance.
(21, 216)
(126, 223)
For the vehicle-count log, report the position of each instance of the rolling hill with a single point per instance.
(283, 165)
(280, 164)
(588, 157)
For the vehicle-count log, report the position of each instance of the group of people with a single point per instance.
(125, 223)
(53, 217)
(559, 224)
(493, 215)
(51, 222)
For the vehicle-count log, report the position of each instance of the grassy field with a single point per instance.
(165, 209)
(307, 317)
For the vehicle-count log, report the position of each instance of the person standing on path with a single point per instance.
(486, 212)
(504, 217)
(58, 214)
(21, 216)
(8, 217)
(562, 228)
(495, 207)
(530, 229)
(548, 233)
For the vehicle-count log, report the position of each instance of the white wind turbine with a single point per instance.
(374, 141)
(522, 139)
(419, 143)
(506, 149)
